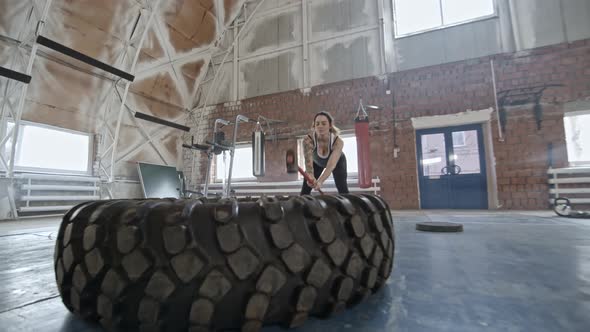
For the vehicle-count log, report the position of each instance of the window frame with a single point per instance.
(43, 170)
(583, 163)
(443, 25)
(239, 145)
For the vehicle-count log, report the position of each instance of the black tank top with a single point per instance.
(317, 158)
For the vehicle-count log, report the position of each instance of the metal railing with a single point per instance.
(570, 182)
(42, 193)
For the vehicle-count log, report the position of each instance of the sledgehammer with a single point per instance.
(307, 178)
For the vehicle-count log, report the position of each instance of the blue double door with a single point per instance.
(451, 168)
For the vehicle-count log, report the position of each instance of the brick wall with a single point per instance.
(522, 159)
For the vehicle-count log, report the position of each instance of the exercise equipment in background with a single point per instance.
(308, 178)
(163, 122)
(232, 150)
(291, 161)
(41, 40)
(14, 75)
(363, 148)
(258, 143)
(563, 208)
(159, 181)
(439, 227)
(258, 166)
(218, 146)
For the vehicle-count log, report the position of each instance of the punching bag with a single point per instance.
(218, 139)
(258, 153)
(291, 161)
(361, 129)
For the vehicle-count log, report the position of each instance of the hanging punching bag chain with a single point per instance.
(363, 148)
(359, 109)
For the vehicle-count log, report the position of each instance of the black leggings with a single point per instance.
(339, 174)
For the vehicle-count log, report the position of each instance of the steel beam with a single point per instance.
(116, 104)
(15, 92)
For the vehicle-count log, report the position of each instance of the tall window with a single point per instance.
(349, 150)
(412, 16)
(352, 164)
(577, 137)
(242, 168)
(45, 148)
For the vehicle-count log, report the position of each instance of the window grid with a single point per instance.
(577, 137)
(443, 24)
(242, 163)
(40, 165)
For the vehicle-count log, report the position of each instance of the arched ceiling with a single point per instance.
(174, 55)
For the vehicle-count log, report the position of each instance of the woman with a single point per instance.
(323, 155)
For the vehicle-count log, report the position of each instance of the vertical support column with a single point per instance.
(219, 5)
(109, 153)
(505, 29)
(213, 84)
(440, 10)
(556, 185)
(117, 132)
(29, 182)
(23, 95)
(14, 90)
(389, 31)
(563, 21)
(236, 81)
(515, 27)
(305, 27)
(380, 9)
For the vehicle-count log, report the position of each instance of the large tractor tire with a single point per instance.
(197, 265)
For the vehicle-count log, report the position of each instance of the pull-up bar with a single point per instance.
(14, 75)
(83, 57)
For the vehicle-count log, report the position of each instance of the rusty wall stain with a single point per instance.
(193, 20)
(156, 107)
(231, 8)
(168, 145)
(161, 87)
(58, 117)
(151, 49)
(97, 29)
(172, 143)
(12, 17)
(191, 71)
(146, 157)
(72, 96)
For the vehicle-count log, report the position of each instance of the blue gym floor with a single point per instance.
(508, 271)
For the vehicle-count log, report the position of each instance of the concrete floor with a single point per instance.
(508, 271)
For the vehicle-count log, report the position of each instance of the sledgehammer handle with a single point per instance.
(307, 177)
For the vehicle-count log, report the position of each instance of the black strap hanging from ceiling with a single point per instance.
(14, 75)
(83, 57)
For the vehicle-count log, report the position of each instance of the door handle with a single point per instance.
(456, 169)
